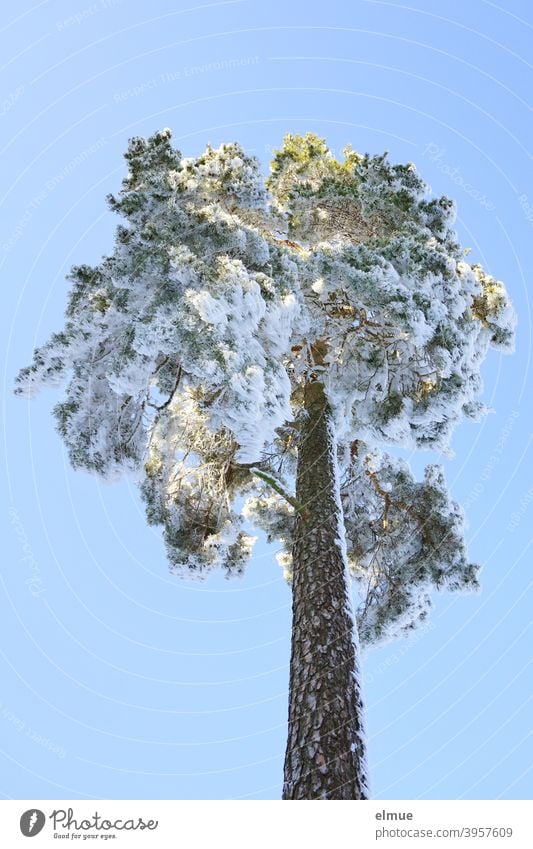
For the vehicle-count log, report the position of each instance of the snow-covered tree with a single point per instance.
(257, 339)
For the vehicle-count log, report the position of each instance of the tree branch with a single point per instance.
(279, 489)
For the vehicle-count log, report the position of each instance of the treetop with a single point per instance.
(187, 347)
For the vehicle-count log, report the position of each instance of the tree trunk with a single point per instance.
(325, 748)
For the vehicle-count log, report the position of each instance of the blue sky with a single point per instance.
(119, 680)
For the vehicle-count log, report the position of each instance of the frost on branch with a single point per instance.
(191, 479)
(275, 515)
(189, 287)
(185, 354)
(493, 308)
(407, 321)
(404, 539)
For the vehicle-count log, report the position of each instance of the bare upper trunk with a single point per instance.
(325, 748)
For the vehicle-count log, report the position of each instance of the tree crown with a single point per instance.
(188, 347)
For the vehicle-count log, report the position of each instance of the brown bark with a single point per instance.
(325, 749)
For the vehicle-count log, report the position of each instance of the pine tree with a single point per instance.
(249, 339)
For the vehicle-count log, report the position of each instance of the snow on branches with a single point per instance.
(403, 538)
(186, 351)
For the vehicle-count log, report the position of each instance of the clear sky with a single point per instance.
(120, 681)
